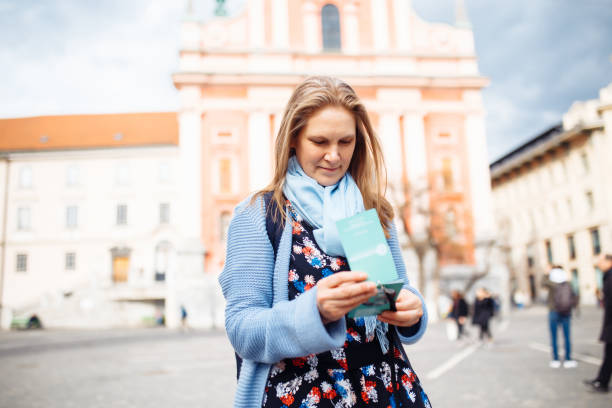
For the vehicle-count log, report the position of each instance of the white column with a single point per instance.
(256, 23)
(380, 24)
(402, 24)
(182, 281)
(311, 36)
(280, 26)
(415, 152)
(391, 143)
(259, 150)
(350, 38)
(480, 180)
(415, 157)
(189, 173)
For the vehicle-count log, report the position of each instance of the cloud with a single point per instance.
(80, 58)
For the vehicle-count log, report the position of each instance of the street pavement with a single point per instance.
(166, 368)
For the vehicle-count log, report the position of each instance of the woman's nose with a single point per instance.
(332, 154)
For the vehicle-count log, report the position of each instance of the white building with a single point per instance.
(553, 198)
(93, 222)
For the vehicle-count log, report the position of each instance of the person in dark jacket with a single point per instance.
(459, 311)
(484, 308)
(601, 383)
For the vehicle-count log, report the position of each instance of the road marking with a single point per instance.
(453, 361)
(582, 357)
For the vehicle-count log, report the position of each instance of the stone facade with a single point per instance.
(553, 199)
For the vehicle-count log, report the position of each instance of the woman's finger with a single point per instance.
(354, 290)
(403, 318)
(407, 300)
(349, 303)
(341, 278)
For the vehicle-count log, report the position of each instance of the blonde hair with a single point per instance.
(367, 164)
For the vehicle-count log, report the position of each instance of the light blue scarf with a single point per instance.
(321, 207)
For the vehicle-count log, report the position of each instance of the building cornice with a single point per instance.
(355, 79)
(551, 139)
(602, 108)
(303, 53)
(23, 153)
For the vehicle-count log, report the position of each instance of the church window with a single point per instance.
(330, 23)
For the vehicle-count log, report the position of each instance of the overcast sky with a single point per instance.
(100, 56)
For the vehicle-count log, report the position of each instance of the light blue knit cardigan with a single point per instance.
(262, 324)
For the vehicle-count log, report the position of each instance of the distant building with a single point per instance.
(553, 198)
(420, 82)
(93, 221)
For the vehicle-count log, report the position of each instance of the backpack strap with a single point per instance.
(273, 227)
(275, 232)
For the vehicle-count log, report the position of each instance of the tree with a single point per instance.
(436, 224)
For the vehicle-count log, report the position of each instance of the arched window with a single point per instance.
(330, 23)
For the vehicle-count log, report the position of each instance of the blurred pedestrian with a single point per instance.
(561, 301)
(184, 324)
(459, 312)
(602, 381)
(484, 309)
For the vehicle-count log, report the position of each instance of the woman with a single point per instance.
(287, 300)
(458, 311)
(484, 309)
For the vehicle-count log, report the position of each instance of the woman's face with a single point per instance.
(324, 148)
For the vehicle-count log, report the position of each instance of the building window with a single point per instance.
(25, 177)
(584, 158)
(570, 209)
(225, 176)
(450, 224)
(23, 218)
(575, 281)
(595, 241)
(549, 254)
(121, 214)
(122, 175)
(447, 174)
(72, 176)
(590, 202)
(571, 246)
(224, 221)
(22, 263)
(71, 216)
(70, 261)
(330, 23)
(162, 253)
(164, 172)
(598, 279)
(164, 213)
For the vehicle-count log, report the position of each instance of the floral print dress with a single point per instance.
(357, 374)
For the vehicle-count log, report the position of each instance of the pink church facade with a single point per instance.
(419, 81)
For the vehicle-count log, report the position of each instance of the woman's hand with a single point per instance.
(409, 310)
(341, 292)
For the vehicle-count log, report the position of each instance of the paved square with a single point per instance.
(164, 368)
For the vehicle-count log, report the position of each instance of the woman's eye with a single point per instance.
(318, 142)
(346, 142)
